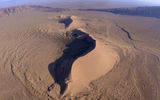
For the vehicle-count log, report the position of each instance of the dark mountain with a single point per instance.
(139, 11)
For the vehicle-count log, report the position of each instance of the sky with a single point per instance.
(4, 3)
(154, 2)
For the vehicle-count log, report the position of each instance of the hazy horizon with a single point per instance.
(7, 3)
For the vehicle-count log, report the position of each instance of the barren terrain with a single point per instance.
(61, 54)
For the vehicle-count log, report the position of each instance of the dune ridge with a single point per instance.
(104, 56)
(60, 70)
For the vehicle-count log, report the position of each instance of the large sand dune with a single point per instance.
(79, 55)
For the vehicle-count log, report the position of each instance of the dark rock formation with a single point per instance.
(139, 11)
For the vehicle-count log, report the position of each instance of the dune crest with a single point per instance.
(71, 22)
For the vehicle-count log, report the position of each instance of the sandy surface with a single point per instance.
(124, 65)
(92, 66)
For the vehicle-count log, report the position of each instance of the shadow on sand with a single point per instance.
(66, 21)
(60, 70)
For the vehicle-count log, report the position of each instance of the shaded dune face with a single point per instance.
(66, 21)
(80, 45)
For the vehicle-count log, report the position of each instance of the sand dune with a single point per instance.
(60, 70)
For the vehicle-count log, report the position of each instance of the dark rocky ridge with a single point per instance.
(80, 45)
(139, 11)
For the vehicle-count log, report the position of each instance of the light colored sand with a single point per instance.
(117, 69)
(92, 66)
